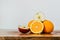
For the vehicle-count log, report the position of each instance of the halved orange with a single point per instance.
(36, 27)
(30, 22)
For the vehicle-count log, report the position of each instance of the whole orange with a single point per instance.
(48, 26)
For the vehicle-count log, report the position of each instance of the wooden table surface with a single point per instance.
(14, 34)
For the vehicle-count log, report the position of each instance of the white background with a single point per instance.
(17, 12)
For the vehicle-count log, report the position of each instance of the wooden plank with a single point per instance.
(13, 34)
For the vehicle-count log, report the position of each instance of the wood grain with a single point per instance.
(13, 34)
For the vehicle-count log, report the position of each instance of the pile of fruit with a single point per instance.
(38, 25)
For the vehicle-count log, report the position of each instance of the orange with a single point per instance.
(36, 27)
(48, 26)
(30, 22)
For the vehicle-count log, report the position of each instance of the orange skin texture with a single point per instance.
(48, 26)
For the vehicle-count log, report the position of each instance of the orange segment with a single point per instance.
(36, 27)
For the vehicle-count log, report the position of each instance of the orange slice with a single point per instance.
(36, 27)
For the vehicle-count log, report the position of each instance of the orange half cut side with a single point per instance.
(30, 22)
(36, 27)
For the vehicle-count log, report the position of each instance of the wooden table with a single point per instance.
(12, 34)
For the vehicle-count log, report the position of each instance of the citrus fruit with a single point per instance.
(36, 27)
(30, 22)
(48, 26)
